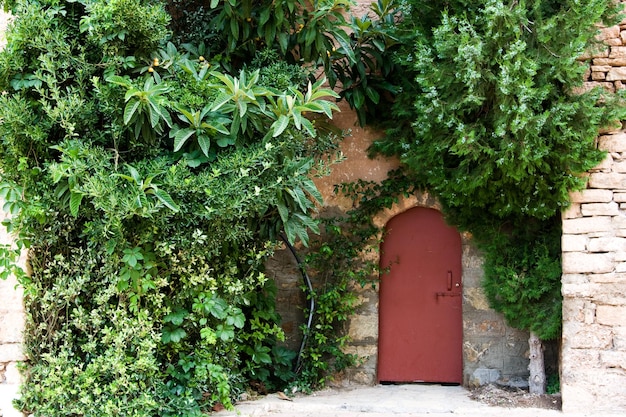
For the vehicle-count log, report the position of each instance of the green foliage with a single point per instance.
(343, 260)
(148, 185)
(489, 123)
(353, 54)
(522, 269)
(553, 384)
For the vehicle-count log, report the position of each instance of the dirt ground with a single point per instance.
(412, 400)
(514, 397)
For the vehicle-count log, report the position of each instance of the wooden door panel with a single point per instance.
(420, 323)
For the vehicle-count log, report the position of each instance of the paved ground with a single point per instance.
(386, 401)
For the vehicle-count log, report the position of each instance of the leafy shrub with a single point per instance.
(149, 186)
(489, 124)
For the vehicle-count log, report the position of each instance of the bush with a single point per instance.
(149, 185)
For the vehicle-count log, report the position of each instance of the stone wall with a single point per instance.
(593, 370)
(11, 325)
(492, 351)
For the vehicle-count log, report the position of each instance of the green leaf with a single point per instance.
(225, 332)
(282, 210)
(123, 81)
(176, 317)
(166, 199)
(181, 136)
(311, 188)
(280, 125)
(205, 143)
(172, 334)
(130, 109)
(75, 200)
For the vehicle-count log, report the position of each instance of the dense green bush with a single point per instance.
(489, 123)
(150, 180)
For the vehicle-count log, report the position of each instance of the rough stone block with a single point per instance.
(599, 209)
(619, 167)
(620, 267)
(584, 314)
(611, 181)
(617, 52)
(594, 392)
(484, 376)
(11, 352)
(587, 225)
(619, 197)
(616, 73)
(573, 243)
(575, 279)
(608, 278)
(475, 298)
(608, 33)
(8, 392)
(584, 290)
(607, 244)
(613, 143)
(592, 196)
(613, 359)
(12, 374)
(590, 336)
(619, 338)
(572, 212)
(579, 262)
(611, 315)
(575, 398)
(598, 76)
(600, 68)
(363, 327)
(613, 62)
(11, 326)
(581, 358)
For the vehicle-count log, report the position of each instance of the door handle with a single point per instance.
(449, 280)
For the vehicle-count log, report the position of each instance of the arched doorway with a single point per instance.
(420, 313)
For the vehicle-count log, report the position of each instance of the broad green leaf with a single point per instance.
(173, 335)
(311, 188)
(280, 125)
(282, 210)
(299, 197)
(181, 136)
(75, 200)
(123, 81)
(166, 199)
(220, 101)
(176, 317)
(130, 109)
(205, 143)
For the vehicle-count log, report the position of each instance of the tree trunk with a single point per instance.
(537, 380)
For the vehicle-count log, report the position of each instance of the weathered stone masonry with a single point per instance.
(593, 367)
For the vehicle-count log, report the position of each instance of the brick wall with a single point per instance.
(593, 370)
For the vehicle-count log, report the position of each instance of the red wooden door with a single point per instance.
(420, 315)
